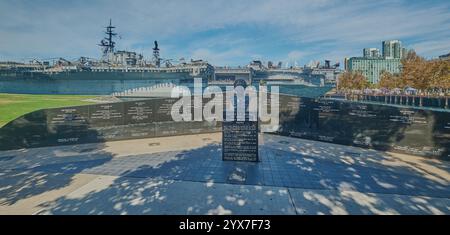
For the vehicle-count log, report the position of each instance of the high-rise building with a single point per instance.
(346, 61)
(392, 49)
(404, 52)
(371, 52)
(397, 50)
(375, 52)
(372, 64)
(366, 52)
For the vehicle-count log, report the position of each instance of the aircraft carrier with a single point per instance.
(120, 71)
(117, 70)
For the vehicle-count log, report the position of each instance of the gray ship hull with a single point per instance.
(85, 82)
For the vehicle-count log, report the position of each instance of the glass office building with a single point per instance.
(392, 49)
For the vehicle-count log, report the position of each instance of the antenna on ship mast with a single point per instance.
(156, 58)
(107, 43)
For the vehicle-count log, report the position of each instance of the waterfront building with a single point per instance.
(372, 63)
(372, 67)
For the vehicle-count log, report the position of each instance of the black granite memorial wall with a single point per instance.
(98, 123)
(412, 130)
(418, 131)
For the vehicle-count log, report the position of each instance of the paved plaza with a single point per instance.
(186, 175)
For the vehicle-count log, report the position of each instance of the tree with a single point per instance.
(415, 72)
(344, 81)
(390, 81)
(439, 74)
(352, 81)
(425, 75)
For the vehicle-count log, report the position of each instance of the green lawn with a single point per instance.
(13, 106)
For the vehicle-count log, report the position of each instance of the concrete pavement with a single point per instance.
(185, 175)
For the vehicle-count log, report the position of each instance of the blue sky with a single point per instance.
(224, 32)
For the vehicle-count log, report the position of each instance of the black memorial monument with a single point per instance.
(240, 138)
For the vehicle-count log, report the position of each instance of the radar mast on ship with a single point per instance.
(107, 43)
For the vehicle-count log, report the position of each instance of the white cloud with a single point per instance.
(299, 29)
(219, 58)
(432, 48)
(295, 55)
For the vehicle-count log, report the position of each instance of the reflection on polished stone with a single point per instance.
(413, 130)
